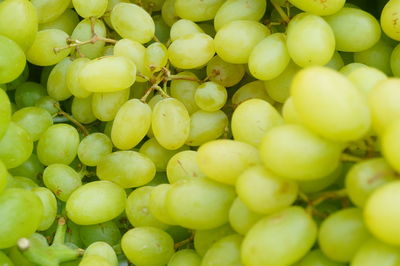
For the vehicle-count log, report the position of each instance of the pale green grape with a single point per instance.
(96, 202)
(17, 257)
(91, 260)
(42, 53)
(157, 203)
(162, 29)
(241, 218)
(204, 239)
(49, 203)
(12, 60)
(394, 61)
(21, 182)
(127, 135)
(355, 30)
(182, 28)
(18, 81)
(126, 168)
(235, 40)
(279, 239)
(225, 251)
(197, 10)
(251, 90)
(66, 22)
(147, 246)
(252, 119)
(184, 91)
(347, 69)
(108, 74)
(366, 78)
(309, 155)
(49, 10)
(23, 29)
(81, 109)
(5, 260)
(206, 126)
(289, 112)
(138, 90)
(390, 144)
(31, 168)
(107, 232)
(317, 258)
(153, 5)
(320, 8)
(106, 105)
(156, 56)
(336, 61)
(168, 12)
(183, 165)
(27, 93)
(5, 112)
(389, 17)
(93, 148)
(378, 56)
(58, 144)
(57, 84)
(374, 252)
(317, 185)
(110, 6)
(342, 233)
(330, 105)
(132, 22)
(101, 249)
(210, 96)
(4, 176)
(224, 73)
(185, 257)
(34, 120)
(206, 203)
(92, 8)
(62, 180)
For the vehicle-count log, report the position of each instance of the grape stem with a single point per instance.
(282, 13)
(350, 158)
(72, 119)
(77, 43)
(183, 242)
(59, 236)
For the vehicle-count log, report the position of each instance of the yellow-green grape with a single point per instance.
(16, 146)
(183, 165)
(225, 251)
(310, 156)
(6, 261)
(126, 168)
(138, 90)
(127, 135)
(162, 29)
(374, 252)
(366, 78)
(3, 177)
(108, 74)
(168, 12)
(185, 257)
(289, 112)
(49, 10)
(208, 28)
(21, 212)
(251, 90)
(23, 29)
(23, 77)
(347, 69)
(224, 73)
(41, 52)
(270, 57)
(5, 112)
(336, 61)
(317, 185)
(153, 5)
(252, 119)
(210, 96)
(12, 60)
(206, 126)
(342, 233)
(310, 40)
(132, 22)
(197, 10)
(106, 232)
(57, 83)
(191, 51)
(390, 144)
(156, 56)
(389, 17)
(235, 40)
(106, 105)
(93, 148)
(99, 254)
(224, 160)
(355, 30)
(83, 32)
(62, 180)
(92, 8)
(49, 204)
(330, 105)
(34, 120)
(17, 257)
(320, 8)
(72, 78)
(58, 144)
(317, 257)
(21, 182)
(383, 104)
(31, 168)
(182, 28)
(96, 202)
(110, 6)
(279, 88)
(147, 246)
(395, 61)
(204, 239)
(241, 217)
(205, 206)
(184, 90)
(81, 110)
(378, 56)
(66, 22)
(279, 239)
(170, 123)
(157, 203)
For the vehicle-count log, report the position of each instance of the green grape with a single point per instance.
(224, 73)
(317, 93)
(183, 165)
(389, 18)
(342, 233)
(17, 258)
(126, 168)
(162, 29)
(108, 50)
(110, 6)
(206, 126)
(347, 69)
(138, 209)
(366, 78)
(317, 258)
(18, 81)
(49, 203)
(4, 177)
(132, 22)
(152, 5)
(170, 123)
(5, 260)
(21, 182)
(96, 202)
(94, 260)
(224, 160)
(208, 28)
(23, 29)
(389, 144)
(374, 252)
(197, 10)
(12, 60)
(66, 22)
(93, 8)
(93, 148)
(81, 109)
(21, 212)
(355, 30)
(102, 250)
(235, 40)
(106, 105)
(241, 218)
(138, 90)
(41, 52)
(168, 12)
(156, 56)
(378, 56)
(5, 112)
(252, 119)
(210, 96)
(34, 120)
(310, 40)
(62, 180)
(107, 232)
(49, 10)
(204, 239)
(182, 28)
(72, 235)
(28, 93)
(191, 51)
(251, 90)
(184, 257)
(320, 8)
(336, 62)
(279, 239)
(157, 203)
(96, 75)
(206, 203)
(317, 185)
(127, 135)
(147, 246)
(44, 75)
(225, 251)
(159, 178)
(31, 168)
(394, 61)
(184, 90)
(15, 146)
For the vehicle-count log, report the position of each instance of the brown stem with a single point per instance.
(350, 158)
(328, 195)
(72, 119)
(177, 77)
(282, 13)
(78, 43)
(184, 242)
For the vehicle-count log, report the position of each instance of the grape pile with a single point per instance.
(199, 132)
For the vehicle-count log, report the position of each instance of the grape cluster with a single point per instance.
(199, 132)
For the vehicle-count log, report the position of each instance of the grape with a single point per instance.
(197, 10)
(254, 89)
(5, 113)
(317, 185)
(107, 232)
(81, 109)
(389, 18)
(94, 260)
(12, 60)
(106, 105)
(347, 69)
(321, 8)
(31, 168)
(93, 8)
(157, 203)
(317, 257)
(66, 22)
(184, 91)
(224, 73)
(184, 27)
(5, 260)
(93, 148)
(3, 176)
(183, 165)
(168, 12)
(28, 93)
(49, 10)
(18, 81)
(49, 204)
(336, 61)
(394, 59)
(101, 249)
(156, 56)
(21, 182)
(210, 96)
(374, 252)
(34, 120)
(204, 239)
(225, 251)
(366, 78)
(57, 84)
(62, 180)
(241, 218)
(185, 257)
(72, 78)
